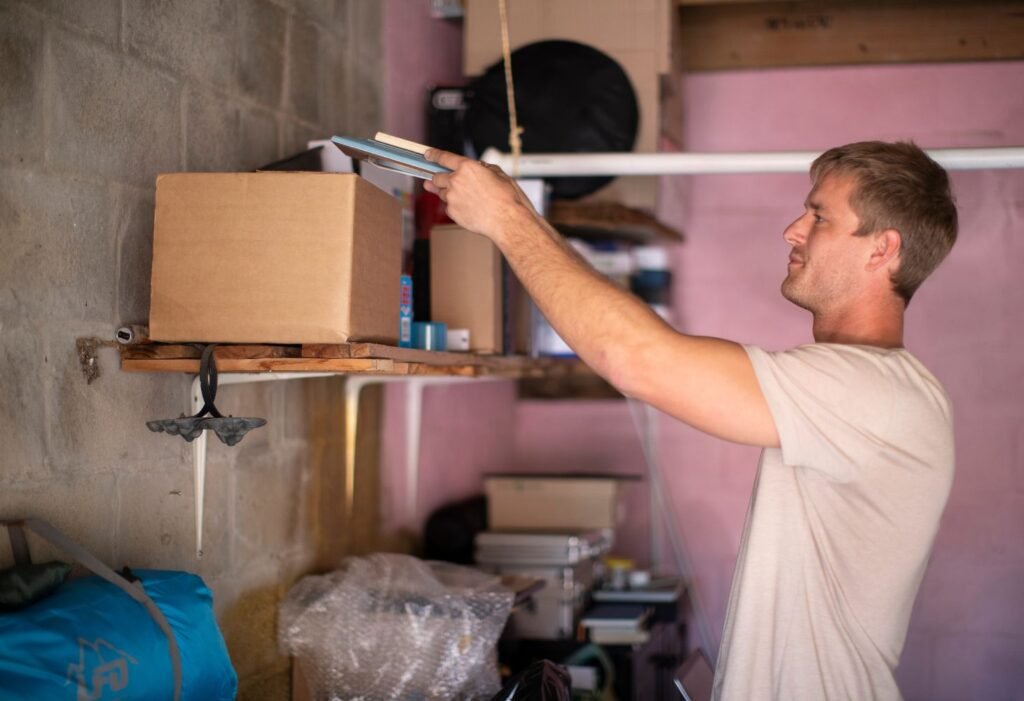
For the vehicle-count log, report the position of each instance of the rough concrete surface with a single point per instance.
(21, 95)
(261, 63)
(259, 138)
(21, 413)
(113, 116)
(304, 70)
(96, 99)
(132, 209)
(57, 254)
(194, 39)
(80, 505)
(98, 18)
(96, 427)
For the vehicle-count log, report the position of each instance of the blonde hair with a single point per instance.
(898, 187)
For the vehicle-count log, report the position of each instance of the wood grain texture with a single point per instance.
(158, 351)
(340, 366)
(346, 358)
(831, 32)
(379, 350)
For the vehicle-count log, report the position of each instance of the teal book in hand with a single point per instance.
(391, 153)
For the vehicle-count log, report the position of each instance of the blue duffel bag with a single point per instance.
(103, 637)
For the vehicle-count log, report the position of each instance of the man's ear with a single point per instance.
(885, 249)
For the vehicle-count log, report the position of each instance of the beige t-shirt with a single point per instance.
(840, 525)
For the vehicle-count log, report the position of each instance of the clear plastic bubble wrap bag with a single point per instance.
(395, 627)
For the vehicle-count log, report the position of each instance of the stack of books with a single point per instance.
(391, 153)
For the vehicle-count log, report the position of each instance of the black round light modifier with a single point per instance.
(570, 98)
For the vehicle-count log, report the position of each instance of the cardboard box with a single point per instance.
(541, 502)
(610, 25)
(403, 188)
(274, 257)
(301, 690)
(466, 285)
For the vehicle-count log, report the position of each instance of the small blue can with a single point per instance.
(430, 335)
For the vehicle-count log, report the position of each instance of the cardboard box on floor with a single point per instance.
(540, 502)
(635, 33)
(466, 285)
(274, 257)
(300, 685)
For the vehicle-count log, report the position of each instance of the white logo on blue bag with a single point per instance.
(101, 666)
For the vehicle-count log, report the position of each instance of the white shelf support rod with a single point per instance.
(413, 428)
(199, 444)
(413, 432)
(354, 385)
(543, 165)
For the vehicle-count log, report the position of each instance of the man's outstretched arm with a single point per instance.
(708, 383)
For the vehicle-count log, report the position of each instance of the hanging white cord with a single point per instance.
(514, 130)
(644, 418)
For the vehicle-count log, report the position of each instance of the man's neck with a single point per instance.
(866, 325)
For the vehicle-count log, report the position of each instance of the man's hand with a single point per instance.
(480, 197)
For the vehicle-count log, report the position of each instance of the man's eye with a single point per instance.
(818, 219)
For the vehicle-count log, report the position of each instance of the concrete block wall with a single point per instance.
(96, 99)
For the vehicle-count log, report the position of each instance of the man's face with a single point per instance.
(827, 260)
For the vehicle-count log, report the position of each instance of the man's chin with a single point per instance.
(790, 292)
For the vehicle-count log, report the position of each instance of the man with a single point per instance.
(857, 434)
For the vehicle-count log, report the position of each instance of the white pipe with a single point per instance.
(544, 165)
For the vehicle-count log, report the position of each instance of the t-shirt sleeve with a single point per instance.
(831, 406)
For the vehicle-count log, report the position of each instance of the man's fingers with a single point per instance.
(438, 184)
(430, 186)
(445, 158)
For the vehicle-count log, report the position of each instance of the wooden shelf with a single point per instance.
(578, 383)
(343, 358)
(609, 221)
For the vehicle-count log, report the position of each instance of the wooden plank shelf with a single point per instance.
(721, 35)
(342, 358)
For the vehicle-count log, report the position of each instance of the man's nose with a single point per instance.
(795, 233)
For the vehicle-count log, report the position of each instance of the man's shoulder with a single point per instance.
(857, 368)
(836, 406)
(852, 355)
(827, 356)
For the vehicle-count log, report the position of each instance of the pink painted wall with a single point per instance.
(419, 52)
(967, 633)
(467, 429)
